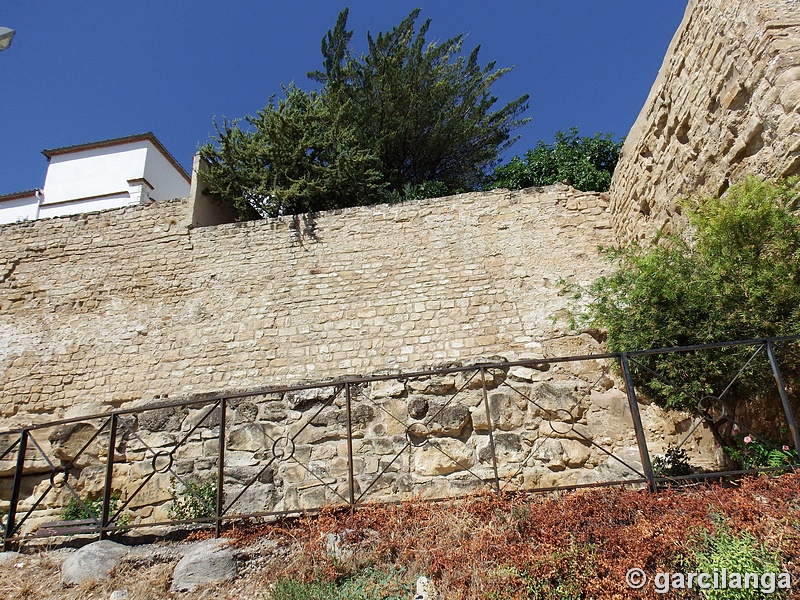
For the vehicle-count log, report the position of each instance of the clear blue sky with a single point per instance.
(87, 70)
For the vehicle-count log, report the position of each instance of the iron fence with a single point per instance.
(539, 424)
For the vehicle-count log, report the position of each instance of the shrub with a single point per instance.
(198, 500)
(88, 509)
(751, 452)
(674, 463)
(586, 162)
(366, 585)
(737, 553)
(736, 276)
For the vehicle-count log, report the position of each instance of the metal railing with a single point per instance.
(438, 433)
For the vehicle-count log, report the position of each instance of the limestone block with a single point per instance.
(92, 480)
(436, 384)
(273, 411)
(250, 437)
(471, 380)
(417, 406)
(530, 374)
(259, 497)
(313, 498)
(622, 466)
(246, 412)
(206, 416)
(549, 452)
(507, 410)
(156, 491)
(304, 399)
(448, 419)
(575, 453)
(507, 449)
(442, 457)
(391, 388)
(329, 416)
(556, 400)
(68, 441)
(162, 419)
(612, 423)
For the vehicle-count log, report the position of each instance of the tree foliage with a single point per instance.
(406, 116)
(736, 277)
(298, 154)
(587, 163)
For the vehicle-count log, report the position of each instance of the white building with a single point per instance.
(100, 175)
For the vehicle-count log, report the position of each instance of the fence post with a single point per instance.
(641, 440)
(112, 442)
(787, 407)
(12, 509)
(350, 477)
(220, 503)
(491, 433)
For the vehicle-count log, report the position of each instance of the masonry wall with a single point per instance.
(725, 104)
(113, 308)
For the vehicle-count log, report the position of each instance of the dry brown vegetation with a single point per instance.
(576, 544)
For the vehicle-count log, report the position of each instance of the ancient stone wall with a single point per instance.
(438, 435)
(725, 104)
(101, 310)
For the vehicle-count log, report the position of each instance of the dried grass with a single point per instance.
(486, 546)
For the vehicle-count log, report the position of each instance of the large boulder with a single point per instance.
(93, 562)
(207, 562)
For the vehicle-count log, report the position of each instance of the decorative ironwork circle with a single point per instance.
(58, 478)
(283, 448)
(161, 466)
(417, 434)
(707, 404)
(562, 424)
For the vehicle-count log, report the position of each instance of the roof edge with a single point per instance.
(18, 195)
(148, 136)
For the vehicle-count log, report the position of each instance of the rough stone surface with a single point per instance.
(93, 562)
(125, 306)
(210, 561)
(726, 103)
(10, 557)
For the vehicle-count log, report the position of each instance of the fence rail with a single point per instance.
(540, 424)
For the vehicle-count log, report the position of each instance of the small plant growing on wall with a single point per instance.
(93, 509)
(751, 452)
(196, 500)
(674, 463)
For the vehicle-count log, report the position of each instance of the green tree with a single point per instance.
(297, 155)
(587, 163)
(406, 118)
(734, 276)
(423, 108)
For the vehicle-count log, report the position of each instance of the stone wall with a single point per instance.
(725, 104)
(437, 435)
(101, 310)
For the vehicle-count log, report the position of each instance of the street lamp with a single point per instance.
(6, 35)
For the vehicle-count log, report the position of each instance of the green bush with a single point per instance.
(734, 276)
(93, 509)
(88, 509)
(738, 553)
(197, 500)
(393, 584)
(587, 163)
(554, 576)
(674, 463)
(752, 453)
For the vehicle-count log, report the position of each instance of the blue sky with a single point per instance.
(88, 70)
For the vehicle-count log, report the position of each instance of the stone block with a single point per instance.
(442, 457)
